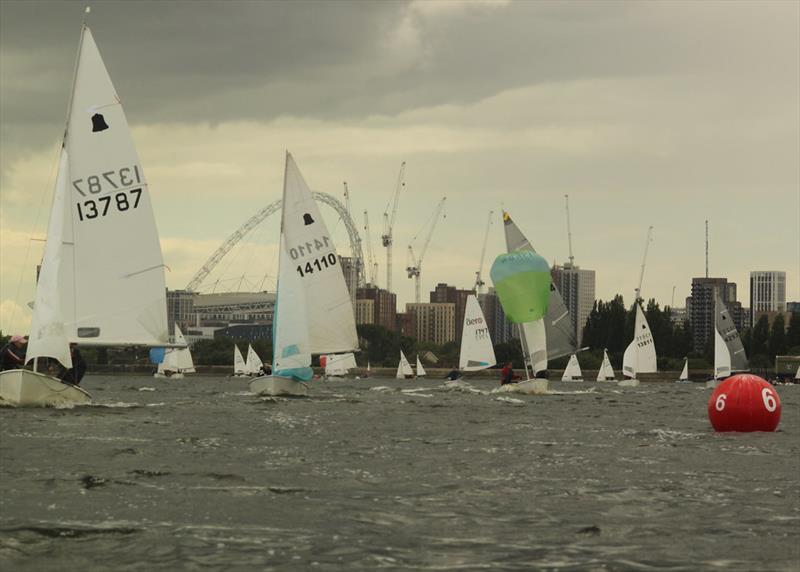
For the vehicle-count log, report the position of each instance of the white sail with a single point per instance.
(420, 370)
(239, 365)
(184, 354)
(573, 370)
(685, 371)
(640, 355)
(314, 311)
(48, 337)
(727, 330)
(606, 372)
(112, 279)
(722, 357)
(533, 336)
(477, 352)
(253, 363)
(797, 375)
(403, 368)
(339, 364)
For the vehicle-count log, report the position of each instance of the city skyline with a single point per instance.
(648, 130)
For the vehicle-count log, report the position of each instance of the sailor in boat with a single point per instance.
(75, 374)
(507, 375)
(265, 369)
(453, 375)
(12, 355)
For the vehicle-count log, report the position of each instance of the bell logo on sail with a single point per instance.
(307, 219)
(98, 123)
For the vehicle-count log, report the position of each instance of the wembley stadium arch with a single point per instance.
(261, 216)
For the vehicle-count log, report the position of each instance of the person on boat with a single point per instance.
(453, 375)
(265, 369)
(12, 355)
(507, 374)
(75, 374)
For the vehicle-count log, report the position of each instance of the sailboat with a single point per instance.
(640, 355)
(253, 363)
(606, 372)
(177, 361)
(404, 370)
(339, 365)
(729, 354)
(313, 311)
(573, 370)
(102, 276)
(684, 376)
(477, 352)
(239, 365)
(420, 370)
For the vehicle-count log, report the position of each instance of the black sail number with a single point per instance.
(101, 206)
(316, 265)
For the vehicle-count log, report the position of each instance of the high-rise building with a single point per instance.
(576, 286)
(450, 294)
(180, 309)
(351, 271)
(365, 311)
(500, 329)
(701, 307)
(767, 292)
(433, 321)
(384, 305)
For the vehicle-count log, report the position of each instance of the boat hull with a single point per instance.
(527, 387)
(628, 383)
(178, 375)
(276, 385)
(25, 388)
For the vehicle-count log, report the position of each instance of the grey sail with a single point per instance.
(727, 329)
(561, 340)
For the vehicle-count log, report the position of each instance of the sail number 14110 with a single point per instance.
(311, 266)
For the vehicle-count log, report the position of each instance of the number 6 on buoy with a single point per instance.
(744, 402)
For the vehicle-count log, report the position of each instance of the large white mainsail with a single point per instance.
(558, 329)
(723, 324)
(606, 372)
(112, 281)
(573, 370)
(640, 355)
(403, 368)
(477, 352)
(313, 310)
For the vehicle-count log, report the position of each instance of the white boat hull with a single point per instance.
(572, 380)
(527, 387)
(25, 388)
(276, 385)
(628, 383)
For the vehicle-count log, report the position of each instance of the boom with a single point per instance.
(414, 267)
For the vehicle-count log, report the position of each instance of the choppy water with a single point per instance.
(197, 474)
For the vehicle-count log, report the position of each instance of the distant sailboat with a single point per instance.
(420, 370)
(339, 365)
(684, 377)
(239, 365)
(729, 354)
(477, 352)
(177, 361)
(404, 370)
(573, 370)
(606, 372)
(313, 311)
(640, 355)
(102, 277)
(253, 364)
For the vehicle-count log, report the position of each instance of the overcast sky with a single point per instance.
(646, 113)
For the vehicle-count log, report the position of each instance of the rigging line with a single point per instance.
(50, 185)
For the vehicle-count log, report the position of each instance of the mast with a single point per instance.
(569, 235)
(706, 248)
(644, 261)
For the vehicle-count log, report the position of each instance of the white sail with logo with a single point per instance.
(573, 370)
(239, 365)
(477, 352)
(420, 370)
(640, 355)
(606, 372)
(403, 368)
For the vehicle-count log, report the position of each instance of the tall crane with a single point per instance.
(414, 267)
(569, 235)
(644, 261)
(388, 223)
(372, 264)
(479, 283)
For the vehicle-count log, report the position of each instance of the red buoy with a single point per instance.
(744, 403)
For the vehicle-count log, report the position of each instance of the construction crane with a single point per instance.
(569, 235)
(388, 223)
(355, 263)
(644, 261)
(479, 283)
(414, 267)
(372, 264)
